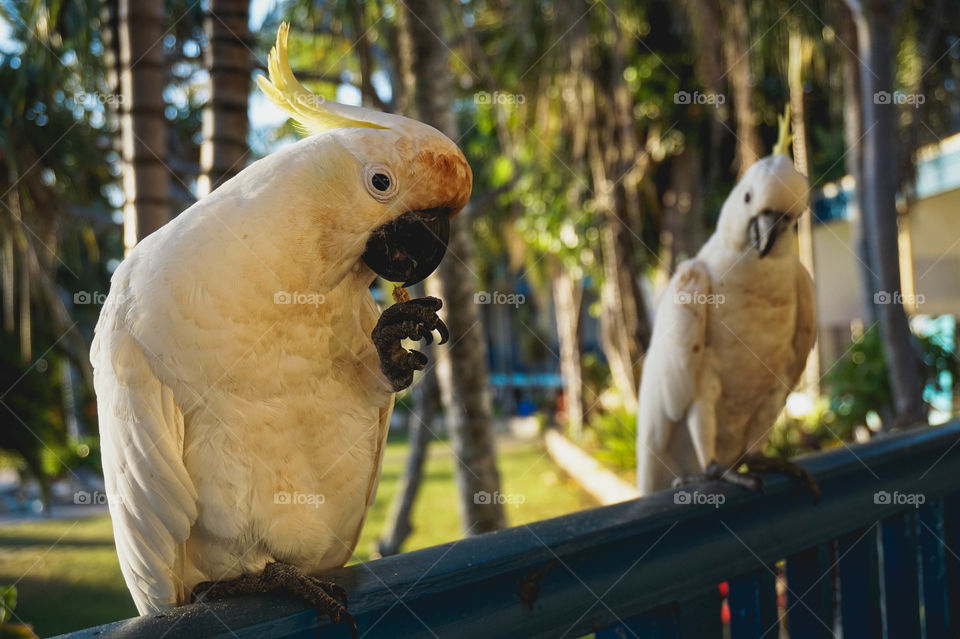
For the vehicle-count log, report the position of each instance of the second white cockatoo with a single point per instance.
(245, 377)
(730, 339)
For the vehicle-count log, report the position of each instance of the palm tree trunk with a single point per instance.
(21, 254)
(472, 436)
(225, 123)
(568, 287)
(624, 321)
(853, 141)
(706, 17)
(614, 162)
(26, 319)
(629, 170)
(682, 230)
(143, 126)
(810, 381)
(110, 36)
(567, 298)
(876, 20)
(9, 288)
(364, 46)
(402, 81)
(737, 53)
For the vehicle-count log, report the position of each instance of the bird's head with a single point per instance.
(763, 206)
(766, 202)
(395, 182)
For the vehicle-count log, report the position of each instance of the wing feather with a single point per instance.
(676, 348)
(671, 368)
(153, 502)
(806, 331)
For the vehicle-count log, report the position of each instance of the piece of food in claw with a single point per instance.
(400, 294)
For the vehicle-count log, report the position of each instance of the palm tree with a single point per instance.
(737, 50)
(143, 126)
(225, 123)
(852, 133)
(876, 21)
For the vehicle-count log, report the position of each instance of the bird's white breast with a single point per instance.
(750, 336)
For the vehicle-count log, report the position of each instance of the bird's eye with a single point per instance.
(380, 182)
(746, 198)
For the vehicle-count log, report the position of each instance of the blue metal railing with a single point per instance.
(868, 559)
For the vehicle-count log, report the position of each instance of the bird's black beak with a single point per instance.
(410, 247)
(764, 229)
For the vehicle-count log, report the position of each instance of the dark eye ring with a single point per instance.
(380, 182)
(746, 198)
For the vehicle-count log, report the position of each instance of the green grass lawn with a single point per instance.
(67, 571)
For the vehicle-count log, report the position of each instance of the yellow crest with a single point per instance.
(784, 137)
(312, 112)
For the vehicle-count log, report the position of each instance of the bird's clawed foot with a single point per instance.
(756, 465)
(760, 464)
(717, 472)
(414, 319)
(327, 598)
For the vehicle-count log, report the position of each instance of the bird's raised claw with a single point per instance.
(434, 304)
(442, 329)
(413, 319)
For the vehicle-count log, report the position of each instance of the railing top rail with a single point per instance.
(590, 569)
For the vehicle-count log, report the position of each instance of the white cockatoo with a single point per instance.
(730, 339)
(244, 374)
